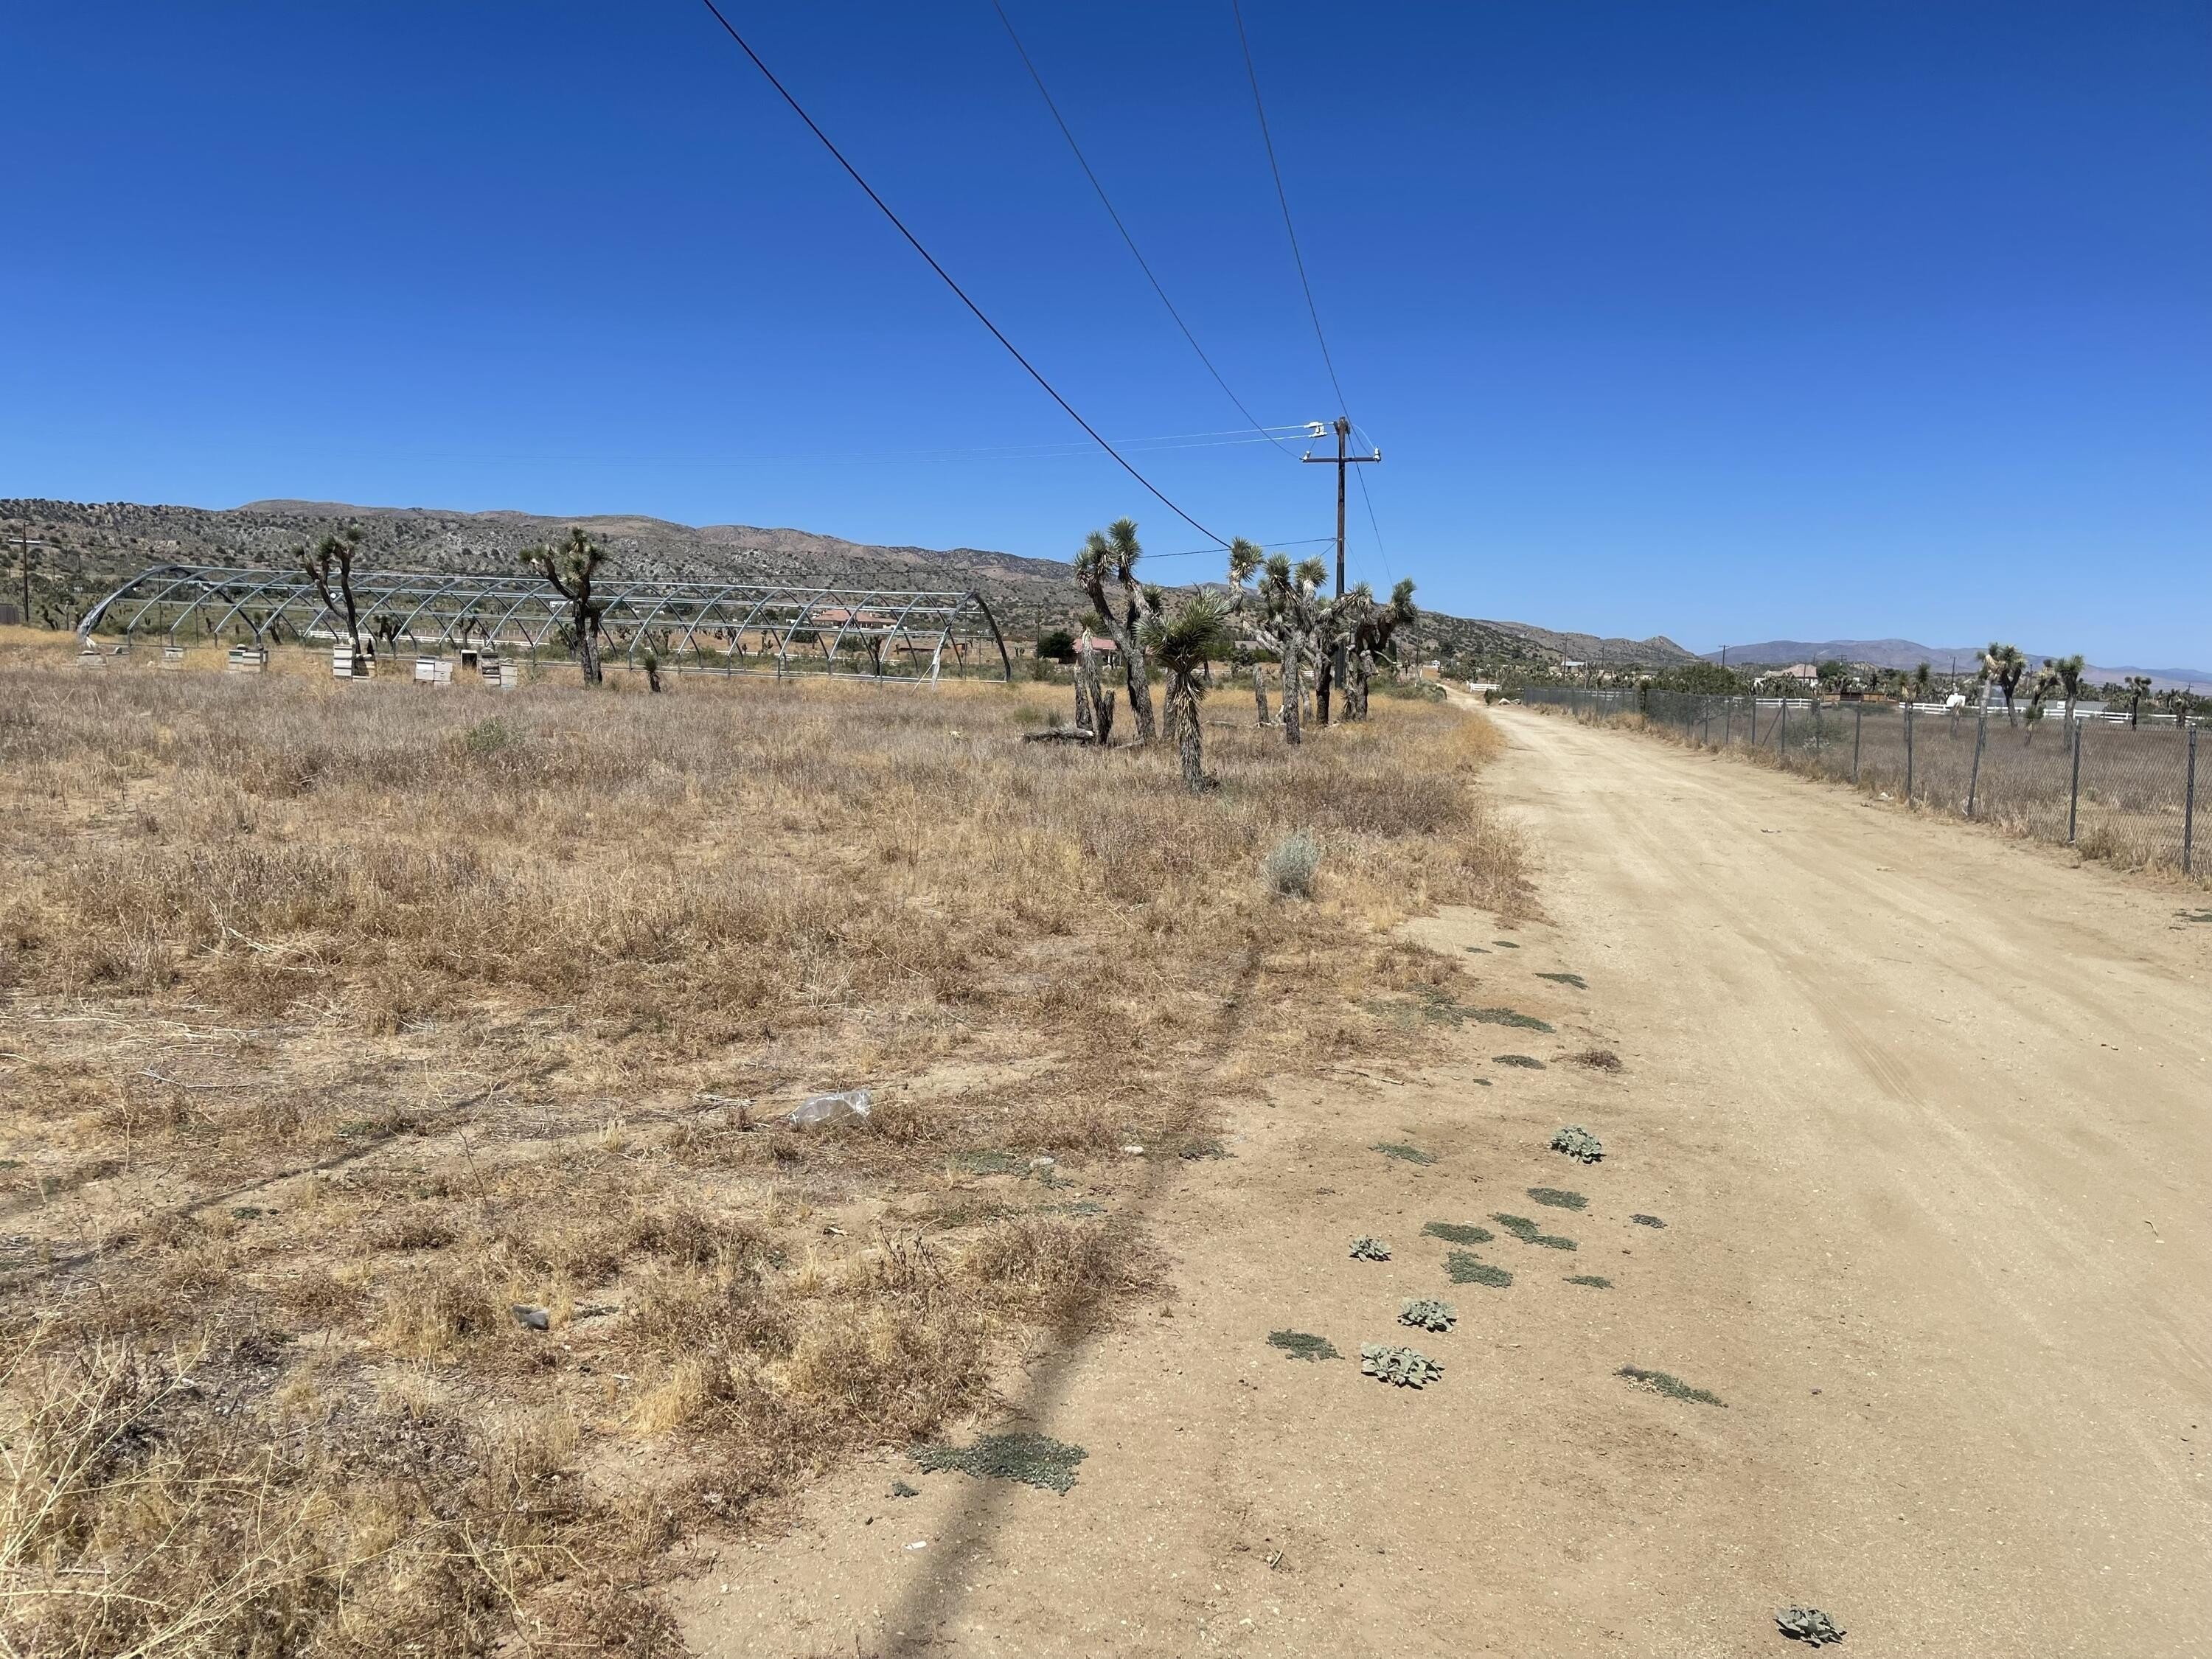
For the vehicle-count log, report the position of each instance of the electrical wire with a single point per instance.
(1343, 407)
(929, 258)
(1143, 263)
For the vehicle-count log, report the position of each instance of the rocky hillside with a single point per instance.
(91, 547)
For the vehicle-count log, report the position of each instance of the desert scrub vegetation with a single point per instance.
(401, 1247)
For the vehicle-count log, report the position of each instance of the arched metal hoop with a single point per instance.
(868, 633)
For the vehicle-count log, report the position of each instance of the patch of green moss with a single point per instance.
(1673, 1386)
(1035, 1460)
(1505, 944)
(1590, 1279)
(1367, 1248)
(1465, 1267)
(986, 1162)
(1647, 1221)
(1525, 1062)
(1575, 980)
(1402, 1153)
(1555, 1198)
(1506, 1016)
(1459, 1232)
(1529, 1233)
(1303, 1345)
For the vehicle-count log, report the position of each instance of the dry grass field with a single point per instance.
(338, 1023)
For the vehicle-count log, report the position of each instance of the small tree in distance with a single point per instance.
(2002, 665)
(2068, 670)
(333, 555)
(570, 568)
(1184, 642)
(2138, 689)
(1114, 551)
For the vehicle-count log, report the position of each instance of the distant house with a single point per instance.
(1805, 671)
(1106, 649)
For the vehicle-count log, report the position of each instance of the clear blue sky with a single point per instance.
(1722, 320)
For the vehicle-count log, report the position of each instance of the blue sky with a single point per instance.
(1719, 321)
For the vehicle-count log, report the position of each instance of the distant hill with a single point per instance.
(1909, 654)
(96, 545)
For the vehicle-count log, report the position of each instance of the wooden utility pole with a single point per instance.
(24, 544)
(1340, 461)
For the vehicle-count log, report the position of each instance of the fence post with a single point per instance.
(1728, 722)
(2189, 803)
(1783, 727)
(1974, 778)
(1910, 711)
(1858, 730)
(2074, 785)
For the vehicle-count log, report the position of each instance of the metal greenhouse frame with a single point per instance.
(728, 628)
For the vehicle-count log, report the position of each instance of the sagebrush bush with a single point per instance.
(1292, 865)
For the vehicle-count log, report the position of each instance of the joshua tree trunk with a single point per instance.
(1260, 691)
(1183, 719)
(1324, 678)
(1293, 692)
(587, 650)
(1092, 708)
(1355, 686)
(1140, 682)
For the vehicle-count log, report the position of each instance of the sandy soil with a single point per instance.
(1925, 1115)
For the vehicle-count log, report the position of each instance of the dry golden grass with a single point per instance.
(340, 1022)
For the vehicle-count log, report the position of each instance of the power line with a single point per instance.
(1373, 525)
(914, 242)
(1343, 406)
(1106, 202)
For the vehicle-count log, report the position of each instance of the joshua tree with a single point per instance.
(1372, 627)
(333, 555)
(1254, 658)
(2002, 665)
(2046, 681)
(2068, 673)
(570, 568)
(1094, 703)
(1114, 551)
(2138, 689)
(1924, 681)
(1185, 642)
(1280, 610)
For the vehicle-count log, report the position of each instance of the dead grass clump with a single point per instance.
(1067, 1273)
(1598, 1059)
(427, 1315)
(885, 1373)
(416, 1229)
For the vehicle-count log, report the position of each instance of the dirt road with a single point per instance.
(1929, 1119)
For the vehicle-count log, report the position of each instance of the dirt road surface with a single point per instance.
(1928, 1117)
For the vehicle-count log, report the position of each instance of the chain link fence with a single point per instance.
(2135, 795)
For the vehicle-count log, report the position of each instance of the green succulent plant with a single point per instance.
(1407, 1368)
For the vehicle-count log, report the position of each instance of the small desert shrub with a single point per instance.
(1292, 864)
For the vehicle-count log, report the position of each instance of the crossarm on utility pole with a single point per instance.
(1340, 461)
